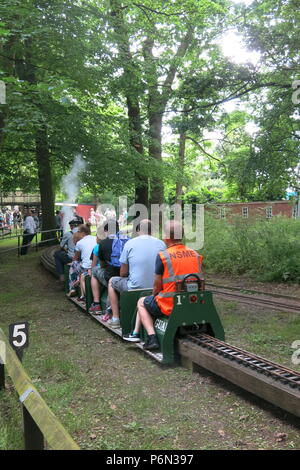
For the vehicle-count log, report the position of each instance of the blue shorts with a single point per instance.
(151, 306)
(84, 271)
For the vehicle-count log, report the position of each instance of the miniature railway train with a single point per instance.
(194, 334)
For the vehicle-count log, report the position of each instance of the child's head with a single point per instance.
(84, 229)
(76, 237)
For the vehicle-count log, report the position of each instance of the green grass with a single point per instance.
(263, 331)
(109, 395)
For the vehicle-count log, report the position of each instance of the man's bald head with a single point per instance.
(145, 227)
(173, 231)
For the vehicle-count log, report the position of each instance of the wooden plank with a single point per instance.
(54, 433)
(260, 385)
(117, 331)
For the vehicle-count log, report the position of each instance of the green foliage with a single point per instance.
(72, 68)
(268, 250)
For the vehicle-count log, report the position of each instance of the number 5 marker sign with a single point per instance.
(19, 337)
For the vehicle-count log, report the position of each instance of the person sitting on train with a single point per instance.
(75, 267)
(83, 250)
(66, 253)
(171, 266)
(102, 274)
(137, 267)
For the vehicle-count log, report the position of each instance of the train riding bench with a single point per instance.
(193, 311)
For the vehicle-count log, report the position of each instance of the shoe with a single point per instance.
(108, 311)
(114, 323)
(151, 343)
(95, 309)
(81, 298)
(72, 293)
(106, 317)
(134, 338)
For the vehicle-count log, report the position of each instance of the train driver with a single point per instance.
(171, 266)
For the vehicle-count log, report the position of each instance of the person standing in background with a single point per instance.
(29, 231)
(58, 223)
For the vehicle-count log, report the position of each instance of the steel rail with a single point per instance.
(272, 382)
(287, 376)
(253, 291)
(250, 299)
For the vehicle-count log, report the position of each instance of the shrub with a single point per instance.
(267, 250)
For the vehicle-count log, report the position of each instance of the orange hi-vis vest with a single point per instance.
(178, 261)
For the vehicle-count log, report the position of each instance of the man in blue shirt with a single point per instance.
(137, 267)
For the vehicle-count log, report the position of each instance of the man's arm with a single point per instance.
(124, 270)
(94, 261)
(64, 240)
(158, 285)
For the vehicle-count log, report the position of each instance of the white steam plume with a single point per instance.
(70, 186)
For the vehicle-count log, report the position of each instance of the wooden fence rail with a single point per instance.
(39, 421)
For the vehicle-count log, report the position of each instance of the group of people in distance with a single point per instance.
(121, 264)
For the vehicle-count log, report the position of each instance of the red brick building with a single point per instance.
(254, 209)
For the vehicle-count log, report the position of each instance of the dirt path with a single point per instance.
(110, 396)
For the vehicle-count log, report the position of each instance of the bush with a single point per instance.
(267, 250)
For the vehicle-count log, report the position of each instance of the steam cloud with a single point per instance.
(70, 186)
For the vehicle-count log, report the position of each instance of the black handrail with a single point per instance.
(36, 244)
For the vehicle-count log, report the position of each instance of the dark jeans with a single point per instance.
(27, 237)
(61, 258)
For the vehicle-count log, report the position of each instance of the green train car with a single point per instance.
(194, 312)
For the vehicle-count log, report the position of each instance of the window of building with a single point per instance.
(245, 212)
(269, 212)
(223, 213)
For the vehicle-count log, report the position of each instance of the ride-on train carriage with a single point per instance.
(193, 312)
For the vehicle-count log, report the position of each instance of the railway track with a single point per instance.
(265, 379)
(286, 304)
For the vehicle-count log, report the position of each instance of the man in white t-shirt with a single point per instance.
(137, 267)
(29, 232)
(83, 251)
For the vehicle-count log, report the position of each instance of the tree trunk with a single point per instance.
(157, 104)
(45, 182)
(7, 67)
(131, 91)
(155, 151)
(26, 71)
(135, 138)
(181, 161)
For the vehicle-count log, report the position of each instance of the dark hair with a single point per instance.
(85, 228)
(111, 226)
(74, 222)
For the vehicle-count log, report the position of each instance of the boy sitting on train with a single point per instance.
(83, 250)
(137, 267)
(171, 266)
(109, 263)
(75, 267)
(66, 253)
